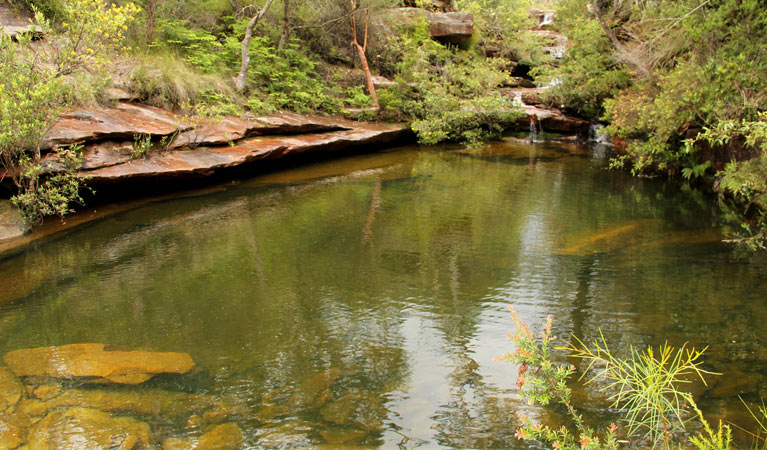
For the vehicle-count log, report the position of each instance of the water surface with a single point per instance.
(361, 301)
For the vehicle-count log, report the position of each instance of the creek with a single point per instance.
(361, 301)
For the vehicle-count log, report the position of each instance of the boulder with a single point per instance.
(223, 437)
(14, 21)
(11, 389)
(144, 402)
(121, 122)
(10, 436)
(452, 27)
(96, 362)
(88, 429)
(551, 120)
(11, 223)
(527, 96)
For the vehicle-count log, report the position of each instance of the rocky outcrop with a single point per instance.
(121, 122)
(14, 21)
(450, 27)
(86, 429)
(96, 362)
(12, 226)
(220, 145)
(230, 129)
(552, 120)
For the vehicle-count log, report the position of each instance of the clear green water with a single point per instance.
(362, 300)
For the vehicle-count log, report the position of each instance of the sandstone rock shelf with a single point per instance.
(183, 150)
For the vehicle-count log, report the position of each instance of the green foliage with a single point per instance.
(142, 145)
(197, 47)
(54, 194)
(646, 384)
(284, 79)
(163, 79)
(744, 181)
(587, 73)
(541, 382)
(503, 27)
(357, 98)
(455, 94)
(721, 439)
(34, 89)
(646, 387)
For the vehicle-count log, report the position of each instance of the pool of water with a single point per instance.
(361, 301)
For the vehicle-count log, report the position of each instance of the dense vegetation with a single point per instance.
(682, 83)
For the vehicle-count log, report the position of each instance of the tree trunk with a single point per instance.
(285, 25)
(361, 53)
(239, 81)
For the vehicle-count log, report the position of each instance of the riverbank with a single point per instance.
(135, 154)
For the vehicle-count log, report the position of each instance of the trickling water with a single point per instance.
(551, 83)
(598, 135)
(517, 100)
(535, 129)
(546, 19)
(361, 301)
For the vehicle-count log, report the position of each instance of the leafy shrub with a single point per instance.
(197, 47)
(33, 91)
(645, 386)
(286, 78)
(458, 101)
(357, 98)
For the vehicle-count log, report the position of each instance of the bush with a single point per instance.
(34, 89)
(645, 387)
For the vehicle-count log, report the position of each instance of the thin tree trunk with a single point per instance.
(361, 53)
(239, 81)
(285, 25)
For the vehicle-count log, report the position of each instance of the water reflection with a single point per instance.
(361, 301)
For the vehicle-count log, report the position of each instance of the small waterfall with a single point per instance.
(517, 100)
(553, 82)
(535, 128)
(558, 52)
(546, 19)
(598, 135)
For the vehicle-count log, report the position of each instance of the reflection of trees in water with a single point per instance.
(305, 287)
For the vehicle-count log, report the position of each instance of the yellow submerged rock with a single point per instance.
(96, 361)
(86, 429)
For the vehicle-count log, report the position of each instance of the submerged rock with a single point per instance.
(96, 362)
(223, 437)
(342, 436)
(9, 435)
(145, 402)
(86, 429)
(11, 390)
(311, 393)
